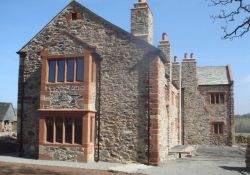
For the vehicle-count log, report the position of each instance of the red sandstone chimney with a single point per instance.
(142, 21)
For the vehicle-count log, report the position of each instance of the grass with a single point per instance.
(243, 134)
(242, 125)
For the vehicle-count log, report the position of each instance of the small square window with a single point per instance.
(74, 16)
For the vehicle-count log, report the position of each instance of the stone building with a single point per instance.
(88, 90)
(8, 118)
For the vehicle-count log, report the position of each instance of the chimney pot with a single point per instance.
(192, 55)
(175, 59)
(164, 37)
(185, 55)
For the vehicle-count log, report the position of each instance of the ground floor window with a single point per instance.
(64, 130)
(218, 128)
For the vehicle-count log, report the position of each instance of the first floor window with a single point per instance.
(78, 129)
(50, 131)
(218, 128)
(63, 129)
(66, 70)
(68, 130)
(217, 98)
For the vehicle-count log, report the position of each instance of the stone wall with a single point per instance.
(122, 89)
(163, 117)
(173, 123)
(60, 153)
(214, 113)
(198, 114)
(64, 97)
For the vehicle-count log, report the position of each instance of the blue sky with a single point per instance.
(187, 23)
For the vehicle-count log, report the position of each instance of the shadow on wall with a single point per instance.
(27, 137)
(241, 170)
(7, 144)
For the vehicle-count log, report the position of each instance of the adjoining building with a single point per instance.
(89, 90)
(8, 118)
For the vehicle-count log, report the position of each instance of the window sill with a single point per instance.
(65, 83)
(61, 144)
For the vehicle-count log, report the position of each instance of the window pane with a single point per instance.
(59, 123)
(217, 98)
(61, 68)
(49, 125)
(78, 130)
(216, 128)
(52, 71)
(222, 99)
(221, 128)
(68, 130)
(212, 99)
(70, 70)
(79, 69)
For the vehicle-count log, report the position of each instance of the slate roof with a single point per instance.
(213, 75)
(5, 114)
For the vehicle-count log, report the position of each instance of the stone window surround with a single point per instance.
(215, 93)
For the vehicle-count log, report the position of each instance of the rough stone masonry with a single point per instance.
(133, 103)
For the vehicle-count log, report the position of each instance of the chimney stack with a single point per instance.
(142, 21)
(176, 59)
(165, 47)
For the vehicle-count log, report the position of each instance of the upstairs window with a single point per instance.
(218, 128)
(217, 98)
(66, 70)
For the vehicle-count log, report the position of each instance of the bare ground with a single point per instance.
(22, 169)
